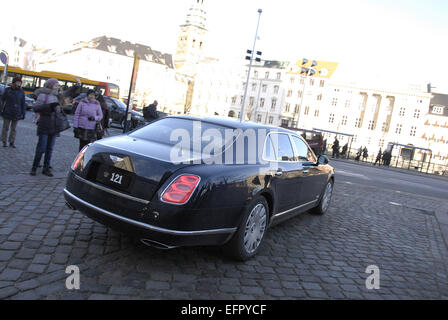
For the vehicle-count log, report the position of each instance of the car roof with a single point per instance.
(233, 123)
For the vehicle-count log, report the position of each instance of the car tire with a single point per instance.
(325, 199)
(247, 240)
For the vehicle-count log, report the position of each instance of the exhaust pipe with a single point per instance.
(155, 244)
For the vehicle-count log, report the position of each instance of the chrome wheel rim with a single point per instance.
(327, 197)
(255, 228)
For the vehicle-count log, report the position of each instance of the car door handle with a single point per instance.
(279, 172)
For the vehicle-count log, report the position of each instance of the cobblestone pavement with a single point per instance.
(308, 257)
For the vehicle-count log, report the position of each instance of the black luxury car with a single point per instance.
(184, 181)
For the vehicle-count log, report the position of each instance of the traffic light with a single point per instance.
(257, 58)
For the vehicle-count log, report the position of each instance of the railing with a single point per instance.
(396, 162)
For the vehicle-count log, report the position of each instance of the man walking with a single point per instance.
(378, 158)
(12, 108)
(335, 148)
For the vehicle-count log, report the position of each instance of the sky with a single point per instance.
(395, 40)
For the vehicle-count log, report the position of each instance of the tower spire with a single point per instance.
(190, 43)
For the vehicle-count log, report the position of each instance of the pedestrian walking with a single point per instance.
(48, 108)
(387, 157)
(365, 154)
(12, 109)
(344, 150)
(335, 148)
(378, 158)
(87, 115)
(106, 115)
(150, 112)
(358, 154)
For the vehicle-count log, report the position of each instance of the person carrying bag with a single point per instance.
(87, 115)
(50, 120)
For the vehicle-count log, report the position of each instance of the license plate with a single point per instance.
(114, 177)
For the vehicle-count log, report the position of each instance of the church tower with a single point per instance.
(190, 43)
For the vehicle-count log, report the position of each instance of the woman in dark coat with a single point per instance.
(47, 106)
(12, 108)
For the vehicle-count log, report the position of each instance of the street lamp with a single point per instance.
(308, 72)
(250, 58)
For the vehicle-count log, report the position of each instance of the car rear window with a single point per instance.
(171, 131)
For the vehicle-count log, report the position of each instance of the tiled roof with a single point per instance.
(128, 49)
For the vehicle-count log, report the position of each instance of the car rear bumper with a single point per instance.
(167, 238)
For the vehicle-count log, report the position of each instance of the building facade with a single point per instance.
(265, 93)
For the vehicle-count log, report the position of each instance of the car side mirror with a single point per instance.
(322, 160)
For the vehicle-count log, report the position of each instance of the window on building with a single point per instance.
(302, 80)
(264, 88)
(307, 110)
(417, 113)
(331, 118)
(289, 93)
(292, 79)
(413, 131)
(279, 75)
(266, 75)
(319, 97)
(384, 128)
(273, 103)
(402, 111)
(371, 125)
(287, 106)
(358, 123)
(285, 122)
(276, 88)
(271, 119)
(437, 110)
(255, 74)
(258, 117)
(316, 113)
(233, 100)
(398, 129)
(347, 103)
(254, 86)
(299, 93)
(322, 83)
(334, 102)
(344, 120)
(251, 101)
(296, 108)
(261, 102)
(311, 82)
(241, 100)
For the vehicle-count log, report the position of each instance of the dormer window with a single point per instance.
(437, 110)
(130, 53)
(112, 49)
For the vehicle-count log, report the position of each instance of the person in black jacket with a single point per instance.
(150, 112)
(12, 108)
(335, 148)
(47, 106)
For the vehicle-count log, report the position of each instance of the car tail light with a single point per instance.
(79, 157)
(180, 190)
